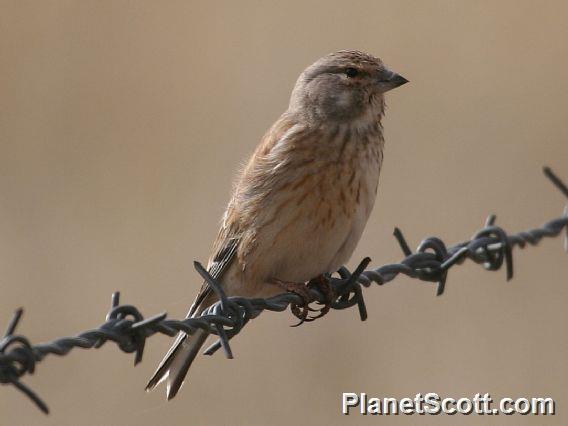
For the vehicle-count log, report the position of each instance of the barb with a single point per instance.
(125, 325)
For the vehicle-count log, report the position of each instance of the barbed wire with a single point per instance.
(125, 325)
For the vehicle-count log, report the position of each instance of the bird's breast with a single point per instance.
(322, 197)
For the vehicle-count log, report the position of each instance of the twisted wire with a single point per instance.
(128, 329)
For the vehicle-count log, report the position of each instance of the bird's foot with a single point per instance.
(323, 284)
(300, 311)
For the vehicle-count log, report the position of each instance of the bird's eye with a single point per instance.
(351, 72)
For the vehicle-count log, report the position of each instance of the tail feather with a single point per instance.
(177, 361)
(162, 371)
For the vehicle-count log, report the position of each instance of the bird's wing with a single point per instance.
(224, 250)
(181, 354)
(218, 265)
(226, 245)
(231, 239)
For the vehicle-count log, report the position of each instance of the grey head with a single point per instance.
(344, 85)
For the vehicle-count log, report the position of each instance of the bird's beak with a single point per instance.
(389, 80)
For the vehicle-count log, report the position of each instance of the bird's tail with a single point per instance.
(177, 361)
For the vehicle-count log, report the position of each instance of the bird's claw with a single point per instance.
(301, 311)
(323, 284)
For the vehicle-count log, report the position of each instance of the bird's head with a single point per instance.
(344, 85)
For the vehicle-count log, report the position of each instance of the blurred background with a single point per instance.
(122, 125)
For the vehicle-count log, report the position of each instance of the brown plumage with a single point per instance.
(300, 204)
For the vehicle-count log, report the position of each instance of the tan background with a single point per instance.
(122, 125)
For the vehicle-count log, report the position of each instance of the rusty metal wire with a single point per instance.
(125, 325)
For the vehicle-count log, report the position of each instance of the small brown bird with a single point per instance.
(300, 205)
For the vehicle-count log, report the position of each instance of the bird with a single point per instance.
(300, 204)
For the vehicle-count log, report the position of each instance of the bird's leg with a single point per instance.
(323, 284)
(299, 311)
